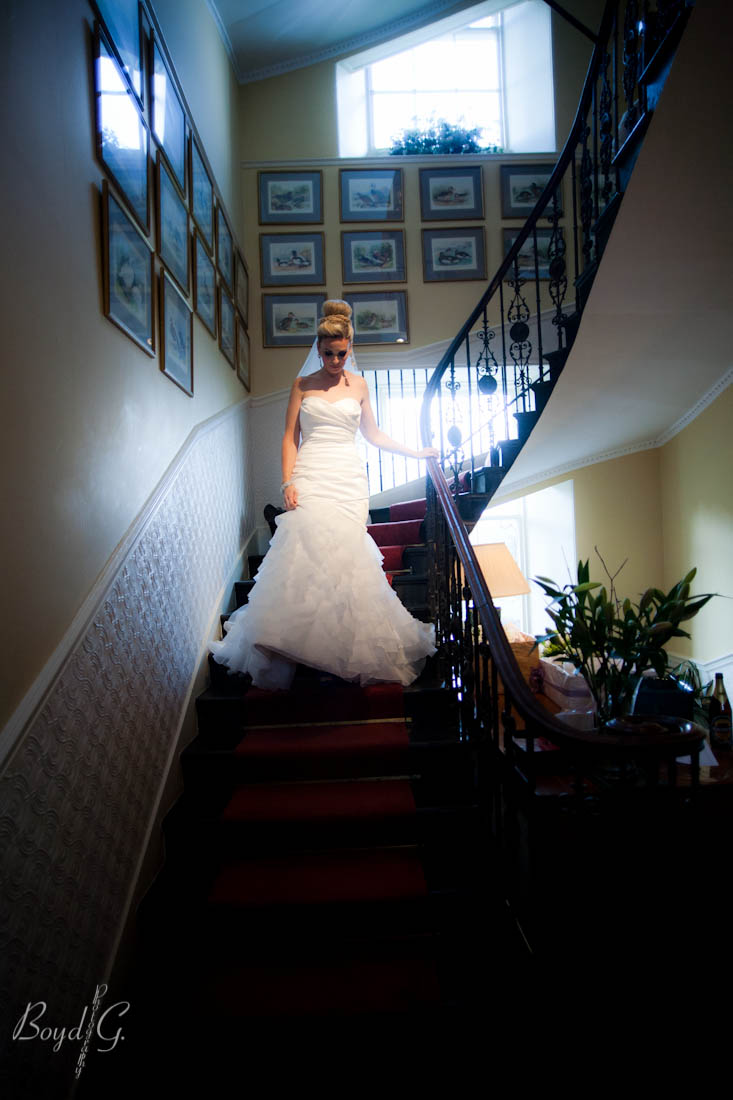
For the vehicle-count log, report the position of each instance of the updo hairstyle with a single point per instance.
(335, 324)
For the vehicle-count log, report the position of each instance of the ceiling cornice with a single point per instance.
(510, 488)
(348, 45)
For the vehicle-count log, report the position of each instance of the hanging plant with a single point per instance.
(439, 137)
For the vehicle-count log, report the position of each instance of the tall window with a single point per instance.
(456, 76)
(488, 68)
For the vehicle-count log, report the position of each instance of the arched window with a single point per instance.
(489, 67)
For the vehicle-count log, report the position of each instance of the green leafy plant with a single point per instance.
(612, 642)
(439, 137)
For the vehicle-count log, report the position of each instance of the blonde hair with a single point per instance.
(335, 324)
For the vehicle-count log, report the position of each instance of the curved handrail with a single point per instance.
(540, 722)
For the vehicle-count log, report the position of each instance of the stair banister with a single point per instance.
(582, 747)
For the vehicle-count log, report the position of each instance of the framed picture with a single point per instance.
(176, 335)
(448, 194)
(379, 317)
(290, 319)
(227, 334)
(521, 186)
(371, 194)
(287, 259)
(169, 118)
(242, 288)
(128, 274)
(373, 256)
(290, 197)
(242, 353)
(450, 255)
(202, 195)
(122, 138)
(526, 253)
(121, 19)
(173, 235)
(204, 285)
(224, 249)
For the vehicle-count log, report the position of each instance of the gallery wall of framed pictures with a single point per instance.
(374, 227)
(166, 234)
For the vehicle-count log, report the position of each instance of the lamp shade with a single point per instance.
(502, 574)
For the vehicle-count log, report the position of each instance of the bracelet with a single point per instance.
(284, 486)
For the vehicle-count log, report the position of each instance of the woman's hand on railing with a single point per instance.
(428, 452)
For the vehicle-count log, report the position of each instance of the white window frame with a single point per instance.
(528, 100)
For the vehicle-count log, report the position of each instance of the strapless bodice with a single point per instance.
(329, 422)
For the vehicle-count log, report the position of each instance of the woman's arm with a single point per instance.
(291, 439)
(371, 432)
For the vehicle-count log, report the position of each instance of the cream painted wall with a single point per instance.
(697, 505)
(89, 422)
(618, 509)
(292, 118)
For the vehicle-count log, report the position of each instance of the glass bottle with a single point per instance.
(719, 715)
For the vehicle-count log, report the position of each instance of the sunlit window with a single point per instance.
(487, 68)
(456, 77)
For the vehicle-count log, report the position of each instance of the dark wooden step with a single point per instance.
(509, 449)
(542, 392)
(525, 423)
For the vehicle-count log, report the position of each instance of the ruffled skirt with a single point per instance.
(321, 598)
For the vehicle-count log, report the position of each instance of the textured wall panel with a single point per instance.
(80, 792)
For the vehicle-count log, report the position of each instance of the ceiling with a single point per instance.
(268, 37)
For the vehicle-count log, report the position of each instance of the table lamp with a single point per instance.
(502, 574)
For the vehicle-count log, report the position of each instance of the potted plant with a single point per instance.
(439, 137)
(613, 642)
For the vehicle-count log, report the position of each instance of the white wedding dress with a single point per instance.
(321, 597)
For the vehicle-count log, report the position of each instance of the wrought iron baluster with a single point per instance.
(518, 314)
(631, 62)
(586, 199)
(504, 389)
(606, 131)
(558, 284)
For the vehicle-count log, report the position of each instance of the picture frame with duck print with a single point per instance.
(521, 186)
(290, 320)
(526, 257)
(168, 115)
(453, 255)
(289, 197)
(176, 335)
(224, 249)
(371, 194)
(204, 285)
(291, 259)
(202, 195)
(450, 194)
(373, 256)
(174, 240)
(121, 19)
(128, 274)
(122, 137)
(379, 317)
(227, 331)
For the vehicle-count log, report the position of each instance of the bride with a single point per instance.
(321, 597)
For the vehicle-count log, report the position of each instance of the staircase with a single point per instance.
(326, 866)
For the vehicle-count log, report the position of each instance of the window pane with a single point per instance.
(390, 115)
(394, 73)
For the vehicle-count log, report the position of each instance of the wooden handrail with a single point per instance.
(579, 744)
